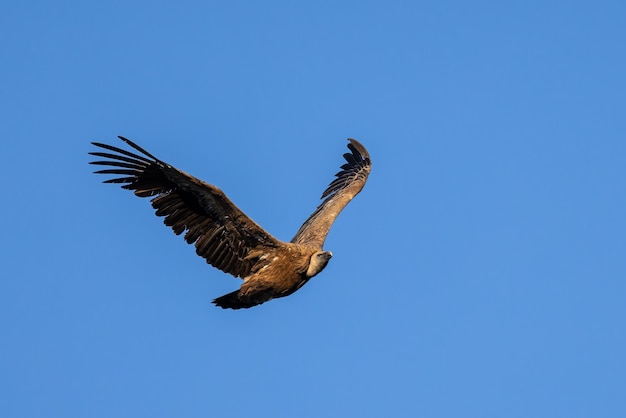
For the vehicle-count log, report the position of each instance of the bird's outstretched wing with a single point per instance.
(221, 232)
(349, 182)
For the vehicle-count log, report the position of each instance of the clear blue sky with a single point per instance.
(480, 273)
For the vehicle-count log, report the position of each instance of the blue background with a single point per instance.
(480, 273)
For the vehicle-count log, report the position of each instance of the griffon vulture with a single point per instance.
(225, 236)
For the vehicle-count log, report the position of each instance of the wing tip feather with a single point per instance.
(356, 145)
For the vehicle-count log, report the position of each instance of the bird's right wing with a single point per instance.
(223, 235)
(349, 182)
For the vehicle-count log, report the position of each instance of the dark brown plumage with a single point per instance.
(223, 235)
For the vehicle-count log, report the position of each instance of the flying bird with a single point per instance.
(225, 236)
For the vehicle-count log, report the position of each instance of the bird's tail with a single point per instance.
(237, 300)
(230, 300)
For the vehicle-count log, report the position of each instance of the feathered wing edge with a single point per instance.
(223, 235)
(348, 183)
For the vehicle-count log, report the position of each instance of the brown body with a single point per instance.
(227, 238)
(278, 273)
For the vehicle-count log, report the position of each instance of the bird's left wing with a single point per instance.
(223, 235)
(349, 182)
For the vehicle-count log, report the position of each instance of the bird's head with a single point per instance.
(318, 262)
